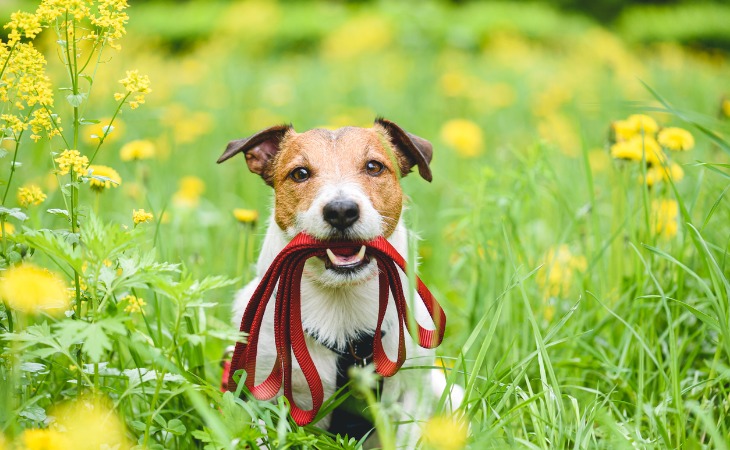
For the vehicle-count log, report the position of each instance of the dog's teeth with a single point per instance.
(361, 253)
(332, 257)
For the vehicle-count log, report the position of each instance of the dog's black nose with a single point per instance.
(341, 213)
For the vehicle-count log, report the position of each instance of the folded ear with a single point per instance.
(415, 150)
(259, 148)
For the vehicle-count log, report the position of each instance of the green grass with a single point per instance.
(631, 352)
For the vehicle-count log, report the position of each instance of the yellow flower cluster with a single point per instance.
(32, 289)
(112, 19)
(639, 138)
(444, 433)
(664, 215)
(44, 439)
(111, 178)
(50, 10)
(246, 215)
(72, 161)
(464, 136)
(560, 267)
(30, 195)
(141, 216)
(22, 24)
(134, 304)
(189, 192)
(25, 85)
(137, 150)
(134, 83)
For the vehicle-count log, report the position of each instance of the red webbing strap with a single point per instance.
(286, 272)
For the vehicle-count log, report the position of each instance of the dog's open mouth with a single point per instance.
(346, 260)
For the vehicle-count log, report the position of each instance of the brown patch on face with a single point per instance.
(332, 157)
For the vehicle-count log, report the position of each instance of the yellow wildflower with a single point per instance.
(677, 139)
(189, 192)
(141, 216)
(623, 130)
(134, 304)
(22, 24)
(561, 266)
(111, 19)
(464, 136)
(91, 423)
(44, 439)
(361, 34)
(30, 195)
(657, 173)
(664, 214)
(9, 229)
(444, 433)
(71, 160)
(246, 215)
(31, 289)
(134, 83)
(137, 150)
(111, 178)
(454, 83)
(643, 123)
(634, 148)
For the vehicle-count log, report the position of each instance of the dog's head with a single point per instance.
(336, 184)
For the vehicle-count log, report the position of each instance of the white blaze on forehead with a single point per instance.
(368, 225)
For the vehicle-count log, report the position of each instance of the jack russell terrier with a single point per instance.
(342, 185)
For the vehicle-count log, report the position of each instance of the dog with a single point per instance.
(342, 184)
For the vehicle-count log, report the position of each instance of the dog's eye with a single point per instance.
(299, 174)
(374, 168)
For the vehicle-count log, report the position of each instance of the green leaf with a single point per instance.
(13, 212)
(76, 100)
(59, 212)
(33, 412)
(176, 427)
(88, 121)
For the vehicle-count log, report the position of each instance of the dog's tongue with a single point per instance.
(340, 259)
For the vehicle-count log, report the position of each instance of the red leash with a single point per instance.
(286, 270)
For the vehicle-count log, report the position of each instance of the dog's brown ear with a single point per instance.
(416, 150)
(258, 148)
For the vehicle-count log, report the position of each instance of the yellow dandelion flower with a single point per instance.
(676, 139)
(623, 130)
(137, 150)
(642, 122)
(634, 148)
(30, 195)
(9, 229)
(109, 178)
(560, 267)
(141, 216)
(444, 433)
(71, 160)
(91, 423)
(29, 288)
(246, 215)
(189, 192)
(657, 173)
(44, 439)
(464, 136)
(664, 214)
(134, 304)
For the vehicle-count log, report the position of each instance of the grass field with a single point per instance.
(586, 294)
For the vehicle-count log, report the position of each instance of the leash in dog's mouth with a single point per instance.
(286, 273)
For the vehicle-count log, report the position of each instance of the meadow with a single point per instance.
(574, 233)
